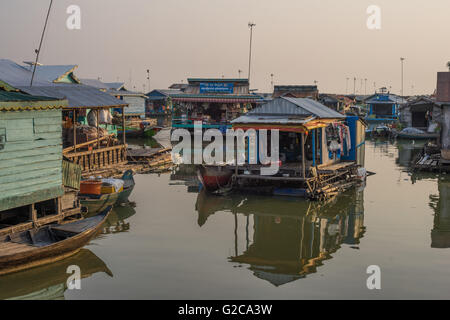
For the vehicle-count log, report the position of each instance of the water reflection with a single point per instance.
(291, 237)
(440, 235)
(116, 222)
(49, 282)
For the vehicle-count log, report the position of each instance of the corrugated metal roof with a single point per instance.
(16, 75)
(94, 83)
(272, 119)
(286, 107)
(53, 72)
(216, 80)
(78, 95)
(381, 98)
(14, 96)
(115, 85)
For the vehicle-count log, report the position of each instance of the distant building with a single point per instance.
(384, 106)
(214, 102)
(420, 113)
(136, 101)
(296, 91)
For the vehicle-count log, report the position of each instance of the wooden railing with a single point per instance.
(99, 158)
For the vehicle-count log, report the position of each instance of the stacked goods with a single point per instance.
(84, 134)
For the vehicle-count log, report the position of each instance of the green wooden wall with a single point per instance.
(31, 158)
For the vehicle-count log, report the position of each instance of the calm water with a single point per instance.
(177, 243)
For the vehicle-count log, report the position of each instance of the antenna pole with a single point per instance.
(40, 44)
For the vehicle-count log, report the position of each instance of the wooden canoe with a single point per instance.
(47, 244)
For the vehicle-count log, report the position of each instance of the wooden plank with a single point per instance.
(27, 160)
(49, 128)
(26, 145)
(32, 152)
(43, 181)
(30, 176)
(29, 196)
(35, 114)
(35, 166)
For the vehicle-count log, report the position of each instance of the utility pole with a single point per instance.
(250, 25)
(271, 81)
(346, 86)
(354, 86)
(365, 86)
(148, 79)
(38, 51)
(402, 60)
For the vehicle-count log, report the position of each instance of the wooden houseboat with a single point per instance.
(33, 175)
(320, 150)
(90, 137)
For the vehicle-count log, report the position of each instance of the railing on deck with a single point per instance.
(99, 158)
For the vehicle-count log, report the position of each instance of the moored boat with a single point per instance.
(47, 244)
(109, 194)
(214, 178)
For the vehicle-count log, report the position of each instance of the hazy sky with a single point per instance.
(299, 41)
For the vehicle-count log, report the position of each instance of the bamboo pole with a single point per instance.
(303, 156)
(123, 125)
(98, 132)
(75, 130)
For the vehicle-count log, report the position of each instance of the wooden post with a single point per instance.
(74, 130)
(123, 133)
(123, 125)
(303, 156)
(98, 134)
(33, 213)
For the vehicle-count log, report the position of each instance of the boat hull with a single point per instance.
(18, 261)
(214, 178)
(96, 205)
(417, 136)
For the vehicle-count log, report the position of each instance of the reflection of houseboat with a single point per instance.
(286, 239)
(440, 235)
(317, 146)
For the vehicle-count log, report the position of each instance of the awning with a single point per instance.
(217, 100)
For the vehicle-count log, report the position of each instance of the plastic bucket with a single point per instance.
(91, 187)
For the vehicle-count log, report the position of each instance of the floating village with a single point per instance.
(66, 161)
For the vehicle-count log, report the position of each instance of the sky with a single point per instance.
(298, 41)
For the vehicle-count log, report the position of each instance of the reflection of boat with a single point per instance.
(287, 238)
(214, 178)
(47, 282)
(116, 220)
(98, 202)
(47, 244)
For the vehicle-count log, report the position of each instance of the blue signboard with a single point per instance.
(216, 87)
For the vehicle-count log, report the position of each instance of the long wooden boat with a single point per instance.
(97, 203)
(47, 244)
